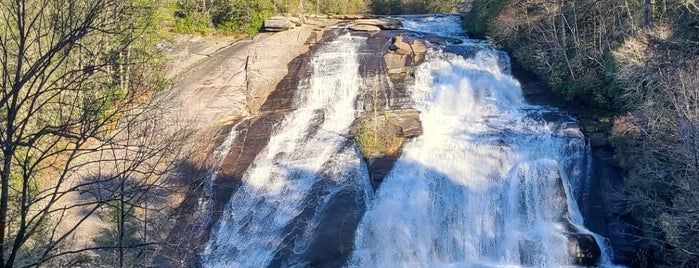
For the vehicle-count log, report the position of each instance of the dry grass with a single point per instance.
(376, 137)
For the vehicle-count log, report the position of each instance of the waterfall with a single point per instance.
(307, 171)
(205, 202)
(491, 181)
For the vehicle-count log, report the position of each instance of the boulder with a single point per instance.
(383, 23)
(277, 24)
(407, 121)
(404, 52)
(583, 250)
(395, 63)
(400, 46)
(297, 21)
(364, 28)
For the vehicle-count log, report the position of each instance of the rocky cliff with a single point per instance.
(248, 86)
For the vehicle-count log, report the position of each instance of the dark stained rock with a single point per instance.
(379, 168)
(282, 98)
(387, 61)
(395, 63)
(583, 250)
(332, 215)
(187, 238)
(189, 234)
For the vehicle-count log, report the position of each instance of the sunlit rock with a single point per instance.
(383, 23)
(277, 24)
(365, 28)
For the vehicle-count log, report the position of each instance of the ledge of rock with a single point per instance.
(352, 16)
(365, 28)
(383, 23)
(385, 135)
(279, 23)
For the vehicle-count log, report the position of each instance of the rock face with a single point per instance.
(407, 122)
(263, 74)
(260, 89)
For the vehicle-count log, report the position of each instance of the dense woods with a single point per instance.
(636, 60)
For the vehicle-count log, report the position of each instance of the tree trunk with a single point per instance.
(648, 8)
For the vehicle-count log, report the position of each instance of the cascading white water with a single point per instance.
(307, 156)
(489, 183)
(205, 202)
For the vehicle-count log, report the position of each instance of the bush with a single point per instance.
(482, 15)
(376, 137)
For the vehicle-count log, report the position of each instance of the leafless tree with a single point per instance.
(70, 98)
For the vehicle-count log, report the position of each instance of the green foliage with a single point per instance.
(398, 7)
(194, 23)
(377, 137)
(339, 6)
(231, 16)
(482, 15)
(368, 140)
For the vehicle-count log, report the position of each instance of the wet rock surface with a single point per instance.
(333, 221)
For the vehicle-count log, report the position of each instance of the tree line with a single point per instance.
(636, 60)
(247, 16)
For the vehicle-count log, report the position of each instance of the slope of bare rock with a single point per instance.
(251, 80)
